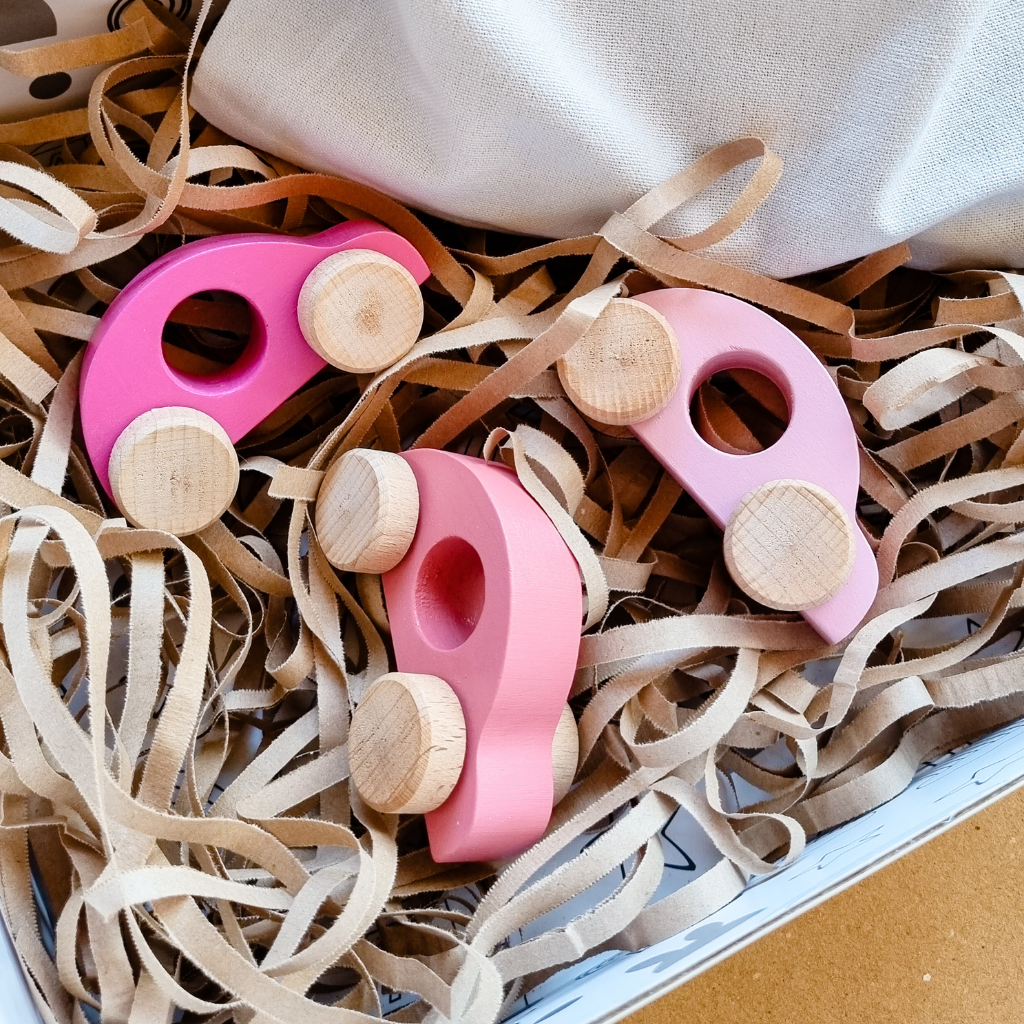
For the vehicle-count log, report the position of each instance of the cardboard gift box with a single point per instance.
(25, 24)
(717, 729)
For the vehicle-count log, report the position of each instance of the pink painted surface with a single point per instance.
(717, 332)
(488, 598)
(125, 373)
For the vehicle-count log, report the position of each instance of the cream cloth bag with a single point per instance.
(896, 119)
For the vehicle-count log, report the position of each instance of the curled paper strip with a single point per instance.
(39, 227)
(174, 768)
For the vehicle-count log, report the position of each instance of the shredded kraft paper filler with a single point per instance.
(178, 829)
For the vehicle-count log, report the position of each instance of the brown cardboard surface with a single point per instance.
(936, 937)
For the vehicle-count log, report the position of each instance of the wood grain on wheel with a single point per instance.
(625, 368)
(565, 753)
(366, 510)
(173, 469)
(360, 310)
(407, 743)
(790, 545)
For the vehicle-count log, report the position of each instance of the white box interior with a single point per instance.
(944, 792)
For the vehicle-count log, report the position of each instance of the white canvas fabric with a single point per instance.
(896, 119)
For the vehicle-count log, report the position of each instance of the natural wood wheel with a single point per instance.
(565, 753)
(366, 510)
(625, 368)
(173, 469)
(790, 545)
(407, 743)
(360, 310)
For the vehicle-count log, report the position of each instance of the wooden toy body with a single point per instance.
(716, 332)
(125, 373)
(488, 598)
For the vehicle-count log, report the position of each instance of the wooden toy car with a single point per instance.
(162, 440)
(485, 605)
(789, 512)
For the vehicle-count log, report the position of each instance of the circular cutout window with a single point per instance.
(739, 411)
(450, 593)
(207, 334)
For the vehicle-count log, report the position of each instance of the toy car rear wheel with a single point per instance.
(173, 469)
(360, 310)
